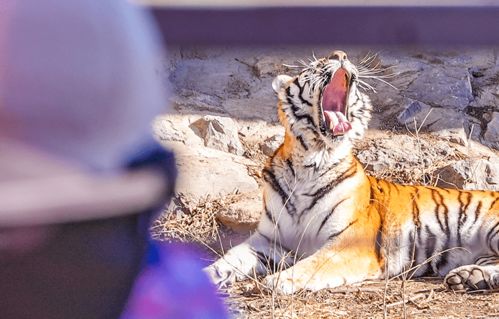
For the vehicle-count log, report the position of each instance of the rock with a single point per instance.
(400, 156)
(484, 110)
(481, 58)
(485, 86)
(470, 174)
(479, 150)
(212, 78)
(262, 104)
(234, 82)
(407, 70)
(172, 128)
(491, 135)
(187, 101)
(443, 87)
(271, 144)
(220, 133)
(244, 213)
(166, 131)
(207, 172)
(445, 123)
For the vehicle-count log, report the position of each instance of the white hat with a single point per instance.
(79, 86)
(79, 78)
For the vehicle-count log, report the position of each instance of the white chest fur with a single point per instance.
(305, 212)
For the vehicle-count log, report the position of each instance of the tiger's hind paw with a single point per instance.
(472, 277)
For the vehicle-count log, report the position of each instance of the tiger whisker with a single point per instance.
(291, 66)
(377, 66)
(367, 89)
(361, 67)
(381, 80)
(369, 57)
(316, 81)
(369, 65)
(384, 76)
(366, 85)
(303, 63)
(376, 71)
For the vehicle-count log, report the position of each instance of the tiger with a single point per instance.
(326, 223)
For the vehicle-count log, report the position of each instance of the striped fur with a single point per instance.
(326, 223)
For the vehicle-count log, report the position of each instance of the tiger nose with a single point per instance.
(338, 55)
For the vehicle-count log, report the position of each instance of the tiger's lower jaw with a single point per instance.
(336, 123)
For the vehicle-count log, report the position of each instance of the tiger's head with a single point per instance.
(323, 106)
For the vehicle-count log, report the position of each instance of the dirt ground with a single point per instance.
(422, 298)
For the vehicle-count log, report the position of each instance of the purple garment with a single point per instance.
(173, 285)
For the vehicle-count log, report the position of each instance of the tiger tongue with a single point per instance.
(337, 122)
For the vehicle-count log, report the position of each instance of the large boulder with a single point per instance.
(243, 213)
(271, 144)
(220, 133)
(392, 153)
(441, 86)
(207, 172)
(470, 174)
(491, 134)
(175, 128)
(446, 123)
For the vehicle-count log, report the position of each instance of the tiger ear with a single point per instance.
(280, 81)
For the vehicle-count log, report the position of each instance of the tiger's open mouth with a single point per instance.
(334, 104)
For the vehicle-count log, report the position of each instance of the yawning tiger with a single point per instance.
(326, 223)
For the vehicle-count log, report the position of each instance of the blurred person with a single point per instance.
(80, 177)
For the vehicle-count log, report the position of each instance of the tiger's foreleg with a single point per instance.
(327, 268)
(483, 275)
(258, 255)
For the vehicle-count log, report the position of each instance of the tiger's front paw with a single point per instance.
(221, 273)
(283, 283)
(471, 277)
(290, 281)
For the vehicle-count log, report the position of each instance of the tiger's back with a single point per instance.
(436, 229)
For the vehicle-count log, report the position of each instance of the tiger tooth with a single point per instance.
(334, 120)
(341, 117)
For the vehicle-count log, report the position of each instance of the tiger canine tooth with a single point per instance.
(341, 117)
(333, 118)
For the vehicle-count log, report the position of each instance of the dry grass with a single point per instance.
(191, 221)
